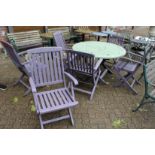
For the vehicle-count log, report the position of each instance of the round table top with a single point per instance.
(100, 49)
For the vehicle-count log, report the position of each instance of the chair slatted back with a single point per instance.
(115, 39)
(139, 58)
(46, 65)
(13, 56)
(25, 39)
(59, 40)
(80, 62)
(135, 57)
(65, 30)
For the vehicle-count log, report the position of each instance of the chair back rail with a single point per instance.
(46, 65)
(118, 40)
(65, 30)
(80, 62)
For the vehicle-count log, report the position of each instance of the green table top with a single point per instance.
(100, 49)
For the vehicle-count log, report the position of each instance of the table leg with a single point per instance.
(98, 38)
(83, 37)
(102, 76)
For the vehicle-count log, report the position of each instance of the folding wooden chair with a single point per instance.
(47, 68)
(83, 65)
(22, 67)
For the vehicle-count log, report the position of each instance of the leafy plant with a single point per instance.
(33, 109)
(118, 123)
(15, 99)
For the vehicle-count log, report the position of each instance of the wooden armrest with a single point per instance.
(72, 78)
(22, 53)
(138, 55)
(125, 58)
(33, 87)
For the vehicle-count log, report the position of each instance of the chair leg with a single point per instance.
(124, 80)
(71, 116)
(18, 81)
(102, 76)
(130, 87)
(27, 91)
(41, 122)
(141, 76)
(94, 88)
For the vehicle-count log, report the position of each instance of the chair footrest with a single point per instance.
(81, 90)
(56, 119)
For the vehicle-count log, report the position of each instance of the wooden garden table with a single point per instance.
(100, 50)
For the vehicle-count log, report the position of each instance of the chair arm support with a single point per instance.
(32, 84)
(71, 78)
(97, 65)
(22, 53)
(134, 54)
(125, 58)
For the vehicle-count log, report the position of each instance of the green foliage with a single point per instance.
(33, 109)
(15, 99)
(118, 123)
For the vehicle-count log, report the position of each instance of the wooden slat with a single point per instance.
(51, 67)
(43, 70)
(65, 93)
(47, 63)
(62, 96)
(35, 69)
(51, 100)
(59, 97)
(55, 65)
(54, 98)
(46, 100)
(59, 68)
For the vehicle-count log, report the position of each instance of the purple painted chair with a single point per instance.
(60, 41)
(116, 39)
(47, 68)
(129, 65)
(83, 66)
(22, 67)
